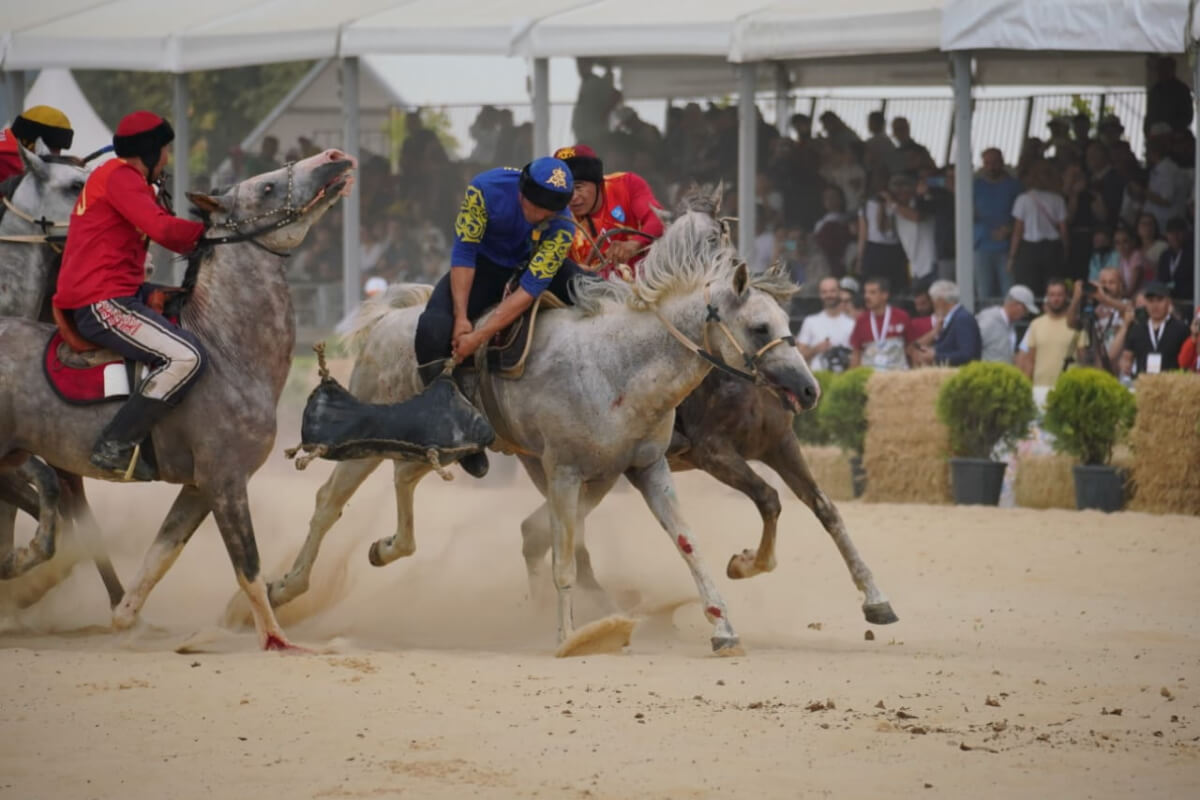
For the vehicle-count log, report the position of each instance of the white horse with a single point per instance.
(596, 401)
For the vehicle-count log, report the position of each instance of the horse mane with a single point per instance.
(355, 330)
(776, 282)
(692, 252)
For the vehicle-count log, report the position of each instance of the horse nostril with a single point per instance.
(809, 395)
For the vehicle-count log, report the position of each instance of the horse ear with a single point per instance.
(741, 279)
(717, 196)
(206, 202)
(33, 163)
(664, 216)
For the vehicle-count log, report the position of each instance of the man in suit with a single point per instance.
(957, 340)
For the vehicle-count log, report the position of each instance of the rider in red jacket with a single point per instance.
(603, 203)
(102, 284)
(42, 129)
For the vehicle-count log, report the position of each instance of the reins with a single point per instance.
(53, 240)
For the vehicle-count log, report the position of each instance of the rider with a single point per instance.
(102, 284)
(603, 203)
(41, 129)
(512, 232)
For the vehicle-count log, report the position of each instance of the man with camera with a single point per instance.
(1155, 337)
(824, 338)
(1098, 309)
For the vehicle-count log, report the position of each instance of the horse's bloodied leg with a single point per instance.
(731, 469)
(788, 461)
(656, 486)
(331, 499)
(402, 543)
(187, 512)
(231, 510)
(41, 548)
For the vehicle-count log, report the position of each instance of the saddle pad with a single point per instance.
(508, 350)
(81, 386)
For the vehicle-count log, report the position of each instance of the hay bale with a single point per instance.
(1044, 481)
(1166, 444)
(830, 468)
(906, 446)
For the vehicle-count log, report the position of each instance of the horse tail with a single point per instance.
(356, 328)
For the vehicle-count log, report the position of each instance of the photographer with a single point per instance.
(1098, 308)
(1154, 339)
(824, 338)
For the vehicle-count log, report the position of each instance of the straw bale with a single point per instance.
(1166, 444)
(1044, 481)
(906, 446)
(830, 468)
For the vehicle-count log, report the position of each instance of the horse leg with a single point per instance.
(331, 499)
(187, 512)
(788, 461)
(656, 486)
(727, 466)
(563, 494)
(41, 548)
(405, 477)
(89, 530)
(537, 538)
(231, 510)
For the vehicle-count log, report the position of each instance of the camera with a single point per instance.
(838, 359)
(1141, 316)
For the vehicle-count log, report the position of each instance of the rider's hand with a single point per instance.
(462, 326)
(623, 252)
(466, 345)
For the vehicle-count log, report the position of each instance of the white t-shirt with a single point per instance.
(1040, 212)
(818, 327)
(920, 244)
(1166, 180)
(870, 214)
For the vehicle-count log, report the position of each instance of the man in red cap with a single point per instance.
(603, 203)
(102, 284)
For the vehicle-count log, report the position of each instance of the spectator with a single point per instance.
(997, 325)
(957, 338)
(1135, 270)
(1169, 100)
(1106, 183)
(1166, 193)
(1134, 198)
(881, 332)
(842, 170)
(901, 161)
(266, 160)
(878, 150)
(1189, 353)
(828, 331)
(832, 232)
(589, 119)
(916, 228)
(1081, 129)
(880, 254)
(1103, 254)
(848, 289)
(995, 192)
(1151, 241)
(1175, 265)
(936, 193)
(1100, 314)
(1085, 211)
(1037, 248)
(922, 310)
(1060, 137)
(1109, 131)
(1153, 346)
(1050, 341)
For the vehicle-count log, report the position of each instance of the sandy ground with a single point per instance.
(1039, 654)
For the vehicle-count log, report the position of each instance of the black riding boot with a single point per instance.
(475, 464)
(115, 448)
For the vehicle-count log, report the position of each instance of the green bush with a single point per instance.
(807, 426)
(983, 404)
(1088, 411)
(843, 412)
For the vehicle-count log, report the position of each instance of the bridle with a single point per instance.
(53, 240)
(287, 214)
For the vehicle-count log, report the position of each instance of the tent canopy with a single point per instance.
(56, 87)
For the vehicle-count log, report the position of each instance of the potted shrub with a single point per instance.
(807, 426)
(843, 414)
(984, 404)
(1088, 411)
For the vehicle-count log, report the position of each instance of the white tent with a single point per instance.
(57, 87)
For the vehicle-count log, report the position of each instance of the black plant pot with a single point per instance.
(977, 481)
(858, 476)
(1099, 487)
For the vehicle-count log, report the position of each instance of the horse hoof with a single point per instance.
(374, 557)
(727, 646)
(880, 614)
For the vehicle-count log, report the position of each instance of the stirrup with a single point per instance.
(127, 476)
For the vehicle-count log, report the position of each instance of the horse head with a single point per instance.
(277, 208)
(47, 190)
(752, 333)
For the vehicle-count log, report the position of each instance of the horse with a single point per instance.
(623, 357)
(223, 431)
(37, 204)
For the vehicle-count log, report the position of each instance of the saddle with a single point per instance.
(506, 353)
(82, 372)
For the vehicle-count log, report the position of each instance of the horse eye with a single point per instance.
(77, 186)
(760, 330)
(268, 188)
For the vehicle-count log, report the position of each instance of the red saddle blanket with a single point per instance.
(83, 385)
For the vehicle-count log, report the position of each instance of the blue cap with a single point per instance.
(547, 182)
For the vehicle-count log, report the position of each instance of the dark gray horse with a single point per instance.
(32, 222)
(240, 308)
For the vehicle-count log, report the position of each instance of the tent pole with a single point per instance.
(1196, 196)
(182, 149)
(351, 251)
(747, 141)
(783, 100)
(541, 107)
(964, 199)
(16, 92)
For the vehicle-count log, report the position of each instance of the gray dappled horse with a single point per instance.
(223, 431)
(37, 205)
(596, 401)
